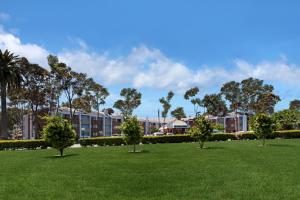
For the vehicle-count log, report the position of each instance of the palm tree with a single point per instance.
(9, 78)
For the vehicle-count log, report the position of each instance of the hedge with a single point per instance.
(287, 134)
(114, 141)
(22, 144)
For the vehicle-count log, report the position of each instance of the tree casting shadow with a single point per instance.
(64, 156)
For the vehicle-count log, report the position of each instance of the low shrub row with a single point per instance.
(116, 141)
(287, 134)
(22, 144)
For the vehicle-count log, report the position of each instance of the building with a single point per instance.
(175, 127)
(232, 122)
(85, 124)
(151, 125)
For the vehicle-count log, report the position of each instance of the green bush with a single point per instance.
(247, 136)
(222, 137)
(289, 134)
(22, 144)
(59, 133)
(263, 126)
(116, 141)
(102, 141)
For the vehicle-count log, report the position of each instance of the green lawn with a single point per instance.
(226, 170)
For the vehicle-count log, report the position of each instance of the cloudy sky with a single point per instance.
(157, 46)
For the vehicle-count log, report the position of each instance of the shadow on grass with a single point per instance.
(279, 145)
(64, 156)
(210, 148)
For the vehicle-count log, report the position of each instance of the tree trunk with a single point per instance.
(4, 117)
(61, 152)
(134, 147)
(264, 141)
(164, 125)
(98, 122)
(235, 122)
(201, 144)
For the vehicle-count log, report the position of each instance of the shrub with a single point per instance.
(286, 119)
(201, 130)
(247, 136)
(22, 144)
(288, 134)
(59, 133)
(133, 131)
(222, 137)
(263, 126)
(102, 141)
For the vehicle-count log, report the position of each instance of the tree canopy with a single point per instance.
(131, 100)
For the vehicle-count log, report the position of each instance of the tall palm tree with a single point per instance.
(10, 78)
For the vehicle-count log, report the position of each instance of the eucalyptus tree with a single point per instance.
(178, 113)
(34, 89)
(166, 104)
(215, 105)
(10, 78)
(257, 97)
(232, 93)
(72, 84)
(190, 95)
(131, 100)
(99, 94)
(295, 105)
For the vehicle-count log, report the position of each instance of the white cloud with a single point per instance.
(277, 71)
(34, 52)
(147, 67)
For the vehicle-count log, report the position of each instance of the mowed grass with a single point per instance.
(226, 170)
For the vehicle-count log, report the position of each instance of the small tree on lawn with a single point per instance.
(201, 130)
(132, 131)
(263, 126)
(59, 133)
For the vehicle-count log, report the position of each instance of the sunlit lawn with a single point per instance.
(226, 170)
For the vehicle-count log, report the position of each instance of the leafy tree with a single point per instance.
(178, 113)
(34, 89)
(201, 130)
(59, 133)
(286, 119)
(232, 93)
(263, 126)
(55, 81)
(133, 131)
(10, 78)
(99, 95)
(190, 95)
(72, 84)
(257, 97)
(295, 105)
(131, 100)
(165, 101)
(81, 103)
(215, 105)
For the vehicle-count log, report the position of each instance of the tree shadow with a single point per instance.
(61, 157)
(210, 148)
(280, 145)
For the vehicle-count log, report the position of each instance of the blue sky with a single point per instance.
(156, 45)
